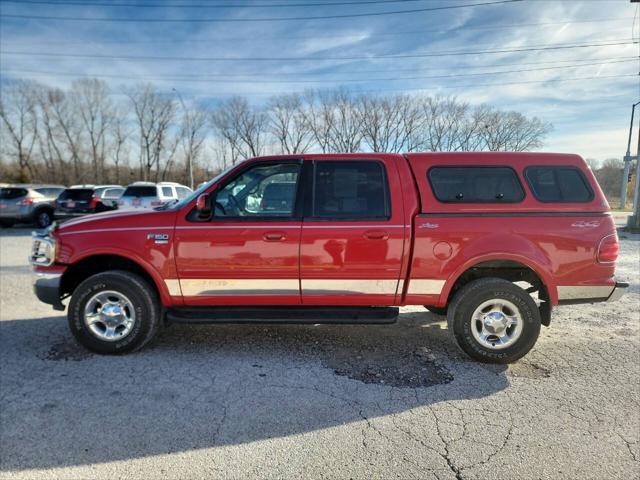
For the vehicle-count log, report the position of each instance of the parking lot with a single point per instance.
(396, 401)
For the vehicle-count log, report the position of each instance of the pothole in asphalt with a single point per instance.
(410, 370)
(66, 352)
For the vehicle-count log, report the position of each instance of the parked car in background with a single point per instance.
(27, 203)
(82, 200)
(151, 195)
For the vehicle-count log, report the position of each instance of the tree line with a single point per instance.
(89, 133)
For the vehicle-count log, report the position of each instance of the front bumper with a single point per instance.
(47, 288)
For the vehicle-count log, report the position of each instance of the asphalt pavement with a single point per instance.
(392, 401)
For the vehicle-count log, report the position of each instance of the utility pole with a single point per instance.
(628, 159)
(634, 220)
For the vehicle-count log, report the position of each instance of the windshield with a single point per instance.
(203, 188)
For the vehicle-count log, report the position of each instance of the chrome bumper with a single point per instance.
(618, 291)
(571, 295)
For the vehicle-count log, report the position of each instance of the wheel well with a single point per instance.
(512, 271)
(40, 208)
(80, 271)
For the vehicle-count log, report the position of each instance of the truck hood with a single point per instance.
(119, 219)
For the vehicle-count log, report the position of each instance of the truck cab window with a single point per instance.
(262, 191)
(350, 190)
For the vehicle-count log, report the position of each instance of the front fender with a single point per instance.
(147, 266)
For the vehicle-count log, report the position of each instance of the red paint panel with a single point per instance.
(561, 250)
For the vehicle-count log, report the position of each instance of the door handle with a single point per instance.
(274, 236)
(376, 235)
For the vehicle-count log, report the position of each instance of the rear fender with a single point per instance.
(518, 249)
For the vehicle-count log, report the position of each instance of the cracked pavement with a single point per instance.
(392, 401)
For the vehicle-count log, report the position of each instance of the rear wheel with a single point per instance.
(114, 312)
(494, 320)
(43, 218)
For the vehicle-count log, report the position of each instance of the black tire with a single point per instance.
(43, 217)
(472, 296)
(145, 305)
(437, 310)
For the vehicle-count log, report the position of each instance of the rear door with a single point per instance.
(353, 233)
(248, 252)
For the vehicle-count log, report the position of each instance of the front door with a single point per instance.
(248, 252)
(353, 235)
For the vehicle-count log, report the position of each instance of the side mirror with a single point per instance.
(203, 205)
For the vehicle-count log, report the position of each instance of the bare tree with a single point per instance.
(289, 124)
(388, 123)
(242, 126)
(511, 131)
(345, 134)
(82, 134)
(91, 97)
(64, 130)
(20, 122)
(120, 134)
(154, 114)
(446, 124)
(192, 136)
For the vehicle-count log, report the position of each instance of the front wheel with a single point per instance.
(114, 312)
(494, 320)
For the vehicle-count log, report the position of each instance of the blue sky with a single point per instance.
(585, 92)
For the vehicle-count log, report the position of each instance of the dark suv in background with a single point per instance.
(25, 203)
(80, 200)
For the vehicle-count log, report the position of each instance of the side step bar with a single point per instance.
(286, 315)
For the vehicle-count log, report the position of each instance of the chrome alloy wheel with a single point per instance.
(496, 324)
(109, 315)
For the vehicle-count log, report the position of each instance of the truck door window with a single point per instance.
(475, 184)
(262, 191)
(348, 190)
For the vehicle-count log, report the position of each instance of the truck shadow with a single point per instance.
(199, 387)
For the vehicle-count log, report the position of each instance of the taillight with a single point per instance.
(26, 201)
(94, 202)
(608, 249)
(55, 204)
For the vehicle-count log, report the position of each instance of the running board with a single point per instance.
(286, 315)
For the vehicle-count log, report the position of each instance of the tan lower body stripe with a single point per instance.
(348, 287)
(288, 286)
(425, 286)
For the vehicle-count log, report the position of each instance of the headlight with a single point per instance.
(43, 251)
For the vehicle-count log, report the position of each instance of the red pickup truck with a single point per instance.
(492, 240)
